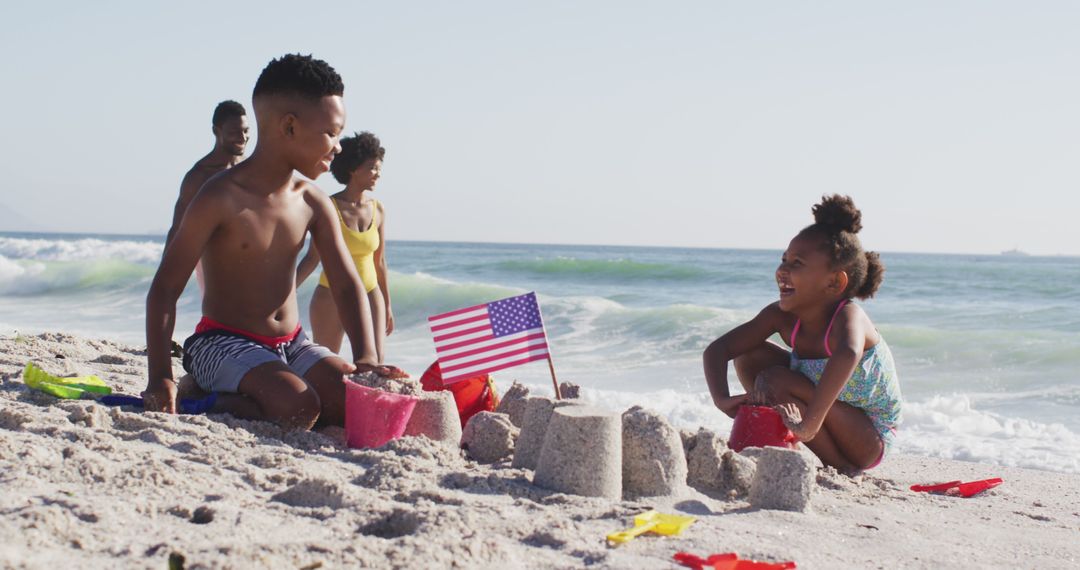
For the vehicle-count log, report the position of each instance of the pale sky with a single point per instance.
(954, 125)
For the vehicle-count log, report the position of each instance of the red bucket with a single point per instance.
(758, 426)
(374, 417)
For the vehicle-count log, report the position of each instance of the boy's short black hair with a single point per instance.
(299, 75)
(355, 150)
(226, 110)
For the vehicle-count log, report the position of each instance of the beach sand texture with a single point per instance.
(112, 488)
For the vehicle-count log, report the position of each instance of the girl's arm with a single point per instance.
(736, 342)
(307, 264)
(353, 306)
(847, 341)
(380, 268)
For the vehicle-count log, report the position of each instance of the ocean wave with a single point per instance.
(32, 277)
(144, 252)
(418, 296)
(586, 322)
(597, 269)
(942, 350)
(638, 332)
(950, 426)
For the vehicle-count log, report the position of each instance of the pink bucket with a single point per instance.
(374, 417)
(758, 426)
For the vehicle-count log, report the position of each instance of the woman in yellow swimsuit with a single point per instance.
(363, 223)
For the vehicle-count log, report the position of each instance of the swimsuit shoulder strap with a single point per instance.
(794, 332)
(831, 321)
(338, 210)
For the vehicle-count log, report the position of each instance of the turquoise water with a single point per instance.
(987, 347)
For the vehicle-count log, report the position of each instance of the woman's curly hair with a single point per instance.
(836, 222)
(355, 150)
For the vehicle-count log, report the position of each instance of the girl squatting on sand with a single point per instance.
(837, 387)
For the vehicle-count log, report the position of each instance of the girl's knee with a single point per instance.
(781, 386)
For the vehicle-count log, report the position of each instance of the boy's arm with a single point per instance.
(177, 263)
(308, 264)
(737, 341)
(380, 268)
(353, 306)
(848, 338)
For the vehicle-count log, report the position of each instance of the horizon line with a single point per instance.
(1014, 252)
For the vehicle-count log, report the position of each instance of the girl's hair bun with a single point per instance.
(838, 213)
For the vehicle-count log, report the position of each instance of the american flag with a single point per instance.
(485, 338)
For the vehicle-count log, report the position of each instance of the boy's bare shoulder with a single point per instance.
(220, 189)
(311, 193)
(220, 183)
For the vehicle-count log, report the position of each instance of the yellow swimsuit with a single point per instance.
(362, 246)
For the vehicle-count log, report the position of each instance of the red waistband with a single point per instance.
(207, 324)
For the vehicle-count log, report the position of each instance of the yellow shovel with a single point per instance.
(652, 521)
(67, 388)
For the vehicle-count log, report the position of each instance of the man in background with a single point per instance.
(230, 128)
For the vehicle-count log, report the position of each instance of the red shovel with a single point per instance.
(969, 489)
(728, 561)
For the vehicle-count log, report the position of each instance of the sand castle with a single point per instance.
(436, 417)
(714, 469)
(489, 437)
(536, 416)
(578, 449)
(582, 453)
(512, 403)
(784, 480)
(653, 459)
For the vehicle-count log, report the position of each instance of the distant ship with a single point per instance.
(1015, 253)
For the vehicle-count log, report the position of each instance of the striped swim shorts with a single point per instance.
(219, 358)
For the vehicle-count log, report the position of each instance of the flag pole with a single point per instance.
(551, 363)
(554, 381)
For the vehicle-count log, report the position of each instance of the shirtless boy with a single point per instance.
(248, 224)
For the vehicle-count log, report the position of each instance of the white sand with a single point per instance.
(108, 488)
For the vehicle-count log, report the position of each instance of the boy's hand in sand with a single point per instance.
(160, 397)
(360, 367)
(384, 370)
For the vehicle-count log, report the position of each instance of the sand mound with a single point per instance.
(109, 487)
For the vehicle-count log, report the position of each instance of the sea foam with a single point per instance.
(143, 251)
(949, 427)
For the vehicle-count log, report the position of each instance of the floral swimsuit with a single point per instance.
(873, 387)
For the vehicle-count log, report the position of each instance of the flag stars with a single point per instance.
(514, 315)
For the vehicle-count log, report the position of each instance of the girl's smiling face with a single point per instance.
(804, 276)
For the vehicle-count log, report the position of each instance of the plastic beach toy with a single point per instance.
(969, 489)
(728, 561)
(652, 521)
(185, 406)
(67, 388)
(758, 426)
(374, 417)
